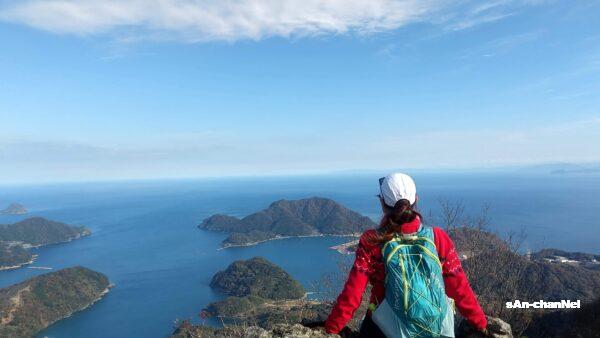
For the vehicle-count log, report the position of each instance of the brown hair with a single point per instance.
(393, 219)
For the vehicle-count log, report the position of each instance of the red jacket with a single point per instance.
(368, 267)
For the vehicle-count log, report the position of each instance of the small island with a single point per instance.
(261, 292)
(289, 218)
(257, 277)
(14, 209)
(30, 306)
(17, 238)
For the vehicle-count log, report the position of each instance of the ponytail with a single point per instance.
(393, 219)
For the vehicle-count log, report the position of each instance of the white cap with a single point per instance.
(398, 186)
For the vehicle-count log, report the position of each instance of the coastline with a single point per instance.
(28, 246)
(35, 246)
(4, 268)
(344, 248)
(227, 246)
(100, 296)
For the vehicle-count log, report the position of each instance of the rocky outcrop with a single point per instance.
(278, 331)
(498, 329)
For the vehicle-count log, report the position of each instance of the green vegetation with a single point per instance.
(232, 306)
(30, 306)
(36, 231)
(257, 277)
(13, 255)
(254, 287)
(40, 231)
(498, 274)
(305, 217)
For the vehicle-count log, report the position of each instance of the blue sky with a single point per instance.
(94, 90)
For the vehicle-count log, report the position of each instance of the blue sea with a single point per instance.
(145, 236)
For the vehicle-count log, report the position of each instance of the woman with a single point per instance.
(398, 199)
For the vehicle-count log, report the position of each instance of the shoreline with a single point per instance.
(28, 246)
(227, 246)
(13, 267)
(344, 248)
(35, 246)
(100, 296)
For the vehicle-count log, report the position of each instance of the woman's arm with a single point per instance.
(456, 283)
(351, 296)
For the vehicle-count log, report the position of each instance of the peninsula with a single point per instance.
(17, 238)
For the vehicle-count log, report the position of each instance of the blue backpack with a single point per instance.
(415, 303)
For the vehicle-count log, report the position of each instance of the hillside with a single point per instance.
(36, 231)
(285, 218)
(13, 256)
(585, 260)
(253, 285)
(30, 306)
(498, 275)
(16, 238)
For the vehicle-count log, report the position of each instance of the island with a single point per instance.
(261, 292)
(251, 315)
(258, 277)
(314, 216)
(14, 209)
(17, 238)
(251, 283)
(29, 307)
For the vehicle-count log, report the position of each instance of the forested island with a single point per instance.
(260, 293)
(289, 218)
(251, 283)
(28, 307)
(17, 238)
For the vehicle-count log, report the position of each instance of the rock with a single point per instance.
(496, 327)
(278, 331)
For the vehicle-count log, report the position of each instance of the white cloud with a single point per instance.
(230, 20)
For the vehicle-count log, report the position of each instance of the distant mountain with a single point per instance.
(562, 168)
(38, 231)
(285, 218)
(13, 256)
(14, 209)
(31, 306)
